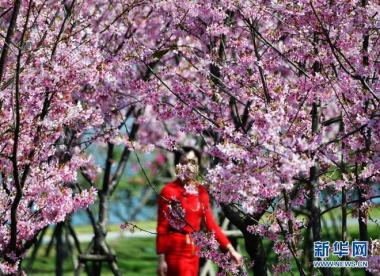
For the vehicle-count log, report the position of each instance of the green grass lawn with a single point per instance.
(353, 233)
(136, 256)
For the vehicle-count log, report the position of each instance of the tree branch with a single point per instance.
(8, 38)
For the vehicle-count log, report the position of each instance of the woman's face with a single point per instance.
(188, 167)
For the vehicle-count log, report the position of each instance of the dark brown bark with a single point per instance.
(363, 216)
(99, 246)
(253, 243)
(314, 204)
(59, 250)
(344, 223)
(104, 193)
(19, 183)
(9, 36)
(36, 247)
(344, 196)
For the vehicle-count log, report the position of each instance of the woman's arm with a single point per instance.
(210, 222)
(162, 268)
(162, 230)
(162, 220)
(211, 225)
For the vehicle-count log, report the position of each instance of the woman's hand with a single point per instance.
(162, 268)
(238, 259)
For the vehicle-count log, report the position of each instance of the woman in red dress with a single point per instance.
(177, 252)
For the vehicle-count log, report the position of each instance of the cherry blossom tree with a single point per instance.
(283, 94)
(57, 96)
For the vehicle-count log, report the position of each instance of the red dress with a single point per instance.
(180, 253)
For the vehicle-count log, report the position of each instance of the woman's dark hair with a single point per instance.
(184, 150)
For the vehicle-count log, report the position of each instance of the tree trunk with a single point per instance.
(315, 210)
(59, 257)
(37, 246)
(253, 243)
(362, 219)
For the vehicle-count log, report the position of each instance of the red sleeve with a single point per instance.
(162, 221)
(210, 221)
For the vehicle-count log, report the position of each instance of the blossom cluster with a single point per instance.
(208, 248)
